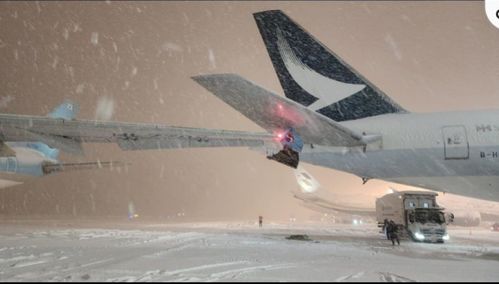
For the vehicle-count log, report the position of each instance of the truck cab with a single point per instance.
(427, 225)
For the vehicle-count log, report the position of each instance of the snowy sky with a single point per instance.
(132, 61)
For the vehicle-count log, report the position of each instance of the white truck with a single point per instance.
(416, 214)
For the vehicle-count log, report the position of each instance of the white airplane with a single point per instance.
(332, 117)
(23, 160)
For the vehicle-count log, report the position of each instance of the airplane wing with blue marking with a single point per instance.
(68, 135)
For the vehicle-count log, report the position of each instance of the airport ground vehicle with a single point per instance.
(416, 214)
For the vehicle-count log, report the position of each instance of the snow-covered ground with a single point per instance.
(237, 251)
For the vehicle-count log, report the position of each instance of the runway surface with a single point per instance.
(236, 251)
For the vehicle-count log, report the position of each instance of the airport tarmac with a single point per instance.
(236, 251)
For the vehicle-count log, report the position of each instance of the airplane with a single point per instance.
(331, 116)
(21, 161)
(452, 152)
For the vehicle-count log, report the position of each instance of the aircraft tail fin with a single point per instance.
(314, 76)
(67, 110)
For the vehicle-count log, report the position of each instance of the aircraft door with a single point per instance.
(456, 144)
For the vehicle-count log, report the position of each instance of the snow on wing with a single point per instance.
(272, 112)
(69, 134)
(275, 113)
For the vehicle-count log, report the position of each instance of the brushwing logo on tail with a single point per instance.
(326, 90)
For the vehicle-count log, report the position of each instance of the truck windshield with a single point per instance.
(430, 216)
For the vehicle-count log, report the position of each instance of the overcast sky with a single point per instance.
(132, 61)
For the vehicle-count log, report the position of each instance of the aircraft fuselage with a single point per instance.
(456, 152)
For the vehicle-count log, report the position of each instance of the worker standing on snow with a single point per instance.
(260, 221)
(392, 232)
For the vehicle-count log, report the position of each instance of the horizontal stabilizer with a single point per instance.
(51, 168)
(275, 113)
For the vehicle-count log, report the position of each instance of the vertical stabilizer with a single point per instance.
(314, 76)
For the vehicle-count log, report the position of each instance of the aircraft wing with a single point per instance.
(68, 135)
(276, 113)
(272, 112)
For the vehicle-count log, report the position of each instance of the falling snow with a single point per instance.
(55, 62)
(5, 100)
(171, 48)
(94, 38)
(393, 46)
(80, 88)
(65, 34)
(105, 108)
(211, 57)
(155, 83)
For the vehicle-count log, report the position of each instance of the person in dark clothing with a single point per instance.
(260, 220)
(392, 232)
(389, 229)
